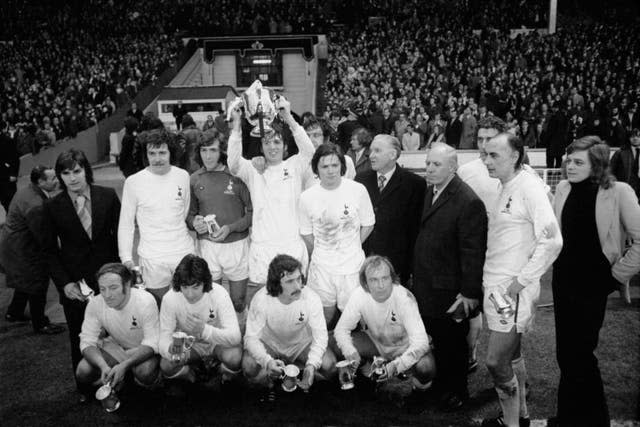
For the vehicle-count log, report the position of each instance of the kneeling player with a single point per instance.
(286, 326)
(391, 325)
(202, 310)
(130, 317)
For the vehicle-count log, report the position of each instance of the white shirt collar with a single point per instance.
(387, 175)
(437, 192)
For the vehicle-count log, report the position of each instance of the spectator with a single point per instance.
(135, 112)
(359, 151)
(179, 112)
(453, 131)
(209, 124)
(410, 139)
(127, 162)
(625, 162)
(437, 135)
(9, 167)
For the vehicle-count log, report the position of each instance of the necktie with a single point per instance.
(83, 214)
(381, 180)
(435, 196)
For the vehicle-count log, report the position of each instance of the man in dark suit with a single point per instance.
(21, 252)
(631, 119)
(178, 113)
(447, 276)
(625, 162)
(397, 196)
(9, 166)
(80, 228)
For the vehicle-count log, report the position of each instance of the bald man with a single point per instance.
(447, 275)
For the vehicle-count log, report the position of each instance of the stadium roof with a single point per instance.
(200, 92)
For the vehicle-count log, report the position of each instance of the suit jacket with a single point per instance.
(20, 241)
(397, 208)
(622, 168)
(71, 254)
(617, 216)
(9, 158)
(363, 164)
(630, 123)
(450, 248)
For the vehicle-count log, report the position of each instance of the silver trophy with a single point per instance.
(259, 107)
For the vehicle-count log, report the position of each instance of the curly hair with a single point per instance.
(278, 267)
(492, 122)
(156, 138)
(363, 136)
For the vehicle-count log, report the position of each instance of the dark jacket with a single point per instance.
(453, 132)
(70, 253)
(557, 134)
(363, 164)
(127, 161)
(450, 248)
(397, 209)
(21, 252)
(622, 167)
(9, 158)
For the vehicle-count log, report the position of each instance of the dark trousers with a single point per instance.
(579, 317)
(554, 161)
(74, 313)
(451, 353)
(37, 303)
(7, 190)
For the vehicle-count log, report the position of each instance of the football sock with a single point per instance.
(508, 395)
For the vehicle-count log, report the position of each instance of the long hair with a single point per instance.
(209, 137)
(156, 138)
(68, 160)
(191, 270)
(328, 150)
(363, 136)
(278, 267)
(598, 153)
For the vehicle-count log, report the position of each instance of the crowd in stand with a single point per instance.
(86, 59)
(424, 60)
(67, 76)
(423, 66)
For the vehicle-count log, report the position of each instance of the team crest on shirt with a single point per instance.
(212, 315)
(229, 189)
(301, 318)
(179, 196)
(393, 316)
(285, 174)
(134, 323)
(507, 207)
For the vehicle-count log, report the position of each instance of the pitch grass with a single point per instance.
(37, 388)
